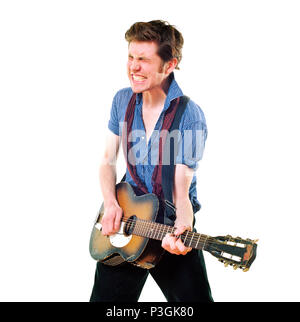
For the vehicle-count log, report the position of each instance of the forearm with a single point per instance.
(184, 212)
(183, 222)
(107, 171)
(112, 212)
(182, 183)
(108, 183)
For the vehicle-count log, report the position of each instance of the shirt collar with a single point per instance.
(174, 91)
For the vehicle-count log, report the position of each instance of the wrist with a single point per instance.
(188, 225)
(109, 202)
(184, 217)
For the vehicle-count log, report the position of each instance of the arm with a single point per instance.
(112, 212)
(184, 211)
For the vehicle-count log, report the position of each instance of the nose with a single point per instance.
(135, 65)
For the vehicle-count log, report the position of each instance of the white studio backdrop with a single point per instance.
(61, 62)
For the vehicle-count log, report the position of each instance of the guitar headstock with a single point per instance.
(234, 251)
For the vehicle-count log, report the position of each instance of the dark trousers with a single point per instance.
(182, 278)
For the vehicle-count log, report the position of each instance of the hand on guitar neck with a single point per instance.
(173, 244)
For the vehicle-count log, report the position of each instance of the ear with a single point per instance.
(170, 66)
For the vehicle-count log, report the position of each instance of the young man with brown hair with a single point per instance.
(151, 105)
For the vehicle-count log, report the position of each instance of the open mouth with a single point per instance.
(138, 78)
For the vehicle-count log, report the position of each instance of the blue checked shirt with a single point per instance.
(192, 133)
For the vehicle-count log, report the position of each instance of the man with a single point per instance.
(154, 51)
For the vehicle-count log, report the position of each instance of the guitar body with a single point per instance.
(138, 240)
(121, 247)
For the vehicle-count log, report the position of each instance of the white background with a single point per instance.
(61, 62)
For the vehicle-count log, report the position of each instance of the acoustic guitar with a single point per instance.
(139, 239)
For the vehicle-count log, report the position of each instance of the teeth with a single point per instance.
(138, 78)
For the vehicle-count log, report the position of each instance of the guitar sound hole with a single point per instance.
(129, 225)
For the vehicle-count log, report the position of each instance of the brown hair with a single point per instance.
(167, 37)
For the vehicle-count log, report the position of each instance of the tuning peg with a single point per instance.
(226, 264)
(255, 241)
(235, 267)
(246, 269)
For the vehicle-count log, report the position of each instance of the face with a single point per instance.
(146, 70)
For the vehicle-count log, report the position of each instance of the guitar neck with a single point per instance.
(158, 231)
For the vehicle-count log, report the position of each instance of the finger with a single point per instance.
(117, 220)
(168, 243)
(107, 225)
(165, 241)
(181, 229)
(110, 225)
(172, 243)
(103, 224)
(187, 251)
(107, 229)
(180, 246)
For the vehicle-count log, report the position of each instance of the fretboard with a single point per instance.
(158, 231)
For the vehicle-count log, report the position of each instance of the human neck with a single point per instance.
(156, 96)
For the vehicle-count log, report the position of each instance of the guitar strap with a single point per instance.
(163, 174)
(167, 170)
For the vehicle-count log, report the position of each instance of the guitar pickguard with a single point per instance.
(118, 239)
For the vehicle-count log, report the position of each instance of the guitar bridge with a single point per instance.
(113, 260)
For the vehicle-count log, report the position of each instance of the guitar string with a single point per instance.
(190, 236)
(161, 227)
(193, 240)
(142, 225)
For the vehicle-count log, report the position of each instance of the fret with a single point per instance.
(150, 231)
(135, 228)
(204, 242)
(198, 241)
(172, 230)
(142, 230)
(159, 235)
(186, 234)
(193, 234)
(163, 233)
(158, 231)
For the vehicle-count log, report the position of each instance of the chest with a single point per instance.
(150, 118)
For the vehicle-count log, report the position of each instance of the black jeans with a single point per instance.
(182, 278)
